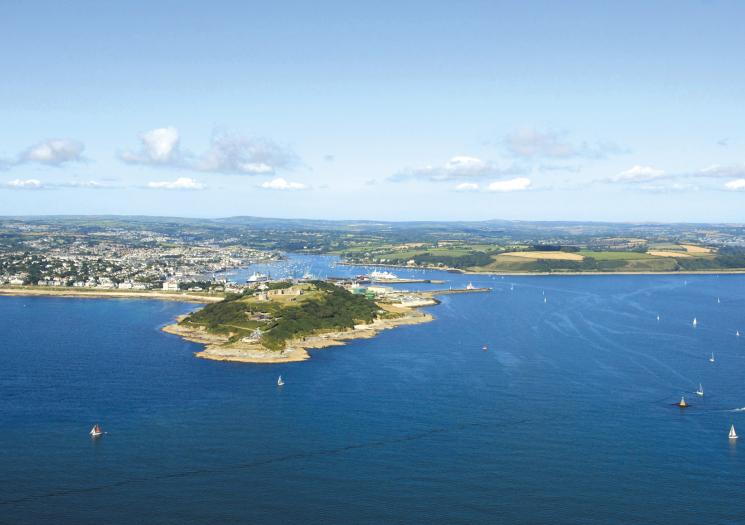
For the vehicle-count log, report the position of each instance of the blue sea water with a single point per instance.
(567, 418)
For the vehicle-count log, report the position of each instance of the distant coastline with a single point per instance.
(557, 272)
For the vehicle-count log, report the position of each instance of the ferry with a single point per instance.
(383, 276)
(257, 277)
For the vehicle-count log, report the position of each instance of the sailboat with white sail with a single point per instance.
(695, 322)
(96, 431)
(711, 359)
(732, 433)
(700, 391)
(280, 381)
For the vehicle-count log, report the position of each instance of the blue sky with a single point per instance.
(628, 111)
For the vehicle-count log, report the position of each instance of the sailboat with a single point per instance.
(737, 333)
(732, 433)
(695, 322)
(700, 391)
(682, 403)
(545, 300)
(280, 381)
(658, 317)
(485, 348)
(718, 301)
(711, 359)
(96, 431)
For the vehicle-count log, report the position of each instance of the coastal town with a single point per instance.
(125, 259)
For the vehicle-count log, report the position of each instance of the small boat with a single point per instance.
(545, 300)
(732, 433)
(658, 317)
(682, 403)
(737, 333)
(711, 359)
(96, 431)
(280, 381)
(718, 301)
(485, 348)
(695, 322)
(700, 391)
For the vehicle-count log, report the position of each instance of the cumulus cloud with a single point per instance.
(535, 143)
(458, 167)
(467, 186)
(53, 152)
(158, 146)
(516, 184)
(227, 154)
(24, 184)
(181, 183)
(282, 184)
(637, 174)
(735, 185)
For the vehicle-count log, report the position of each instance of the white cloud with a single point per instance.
(282, 184)
(735, 185)
(467, 186)
(535, 143)
(158, 146)
(639, 174)
(27, 184)
(458, 167)
(228, 154)
(516, 184)
(54, 152)
(182, 183)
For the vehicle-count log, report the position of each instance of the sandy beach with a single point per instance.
(184, 297)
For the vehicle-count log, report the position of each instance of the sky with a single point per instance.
(405, 110)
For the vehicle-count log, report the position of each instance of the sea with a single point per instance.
(567, 417)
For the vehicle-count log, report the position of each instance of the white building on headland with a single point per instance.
(171, 286)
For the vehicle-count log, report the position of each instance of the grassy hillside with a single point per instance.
(285, 312)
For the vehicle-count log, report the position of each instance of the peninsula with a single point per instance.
(277, 322)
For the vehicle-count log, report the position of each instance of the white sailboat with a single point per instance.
(737, 333)
(96, 431)
(711, 359)
(695, 322)
(658, 317)
(545, 300)
(732, 433)
(718, 301)
(280, 381)
(700, 391)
